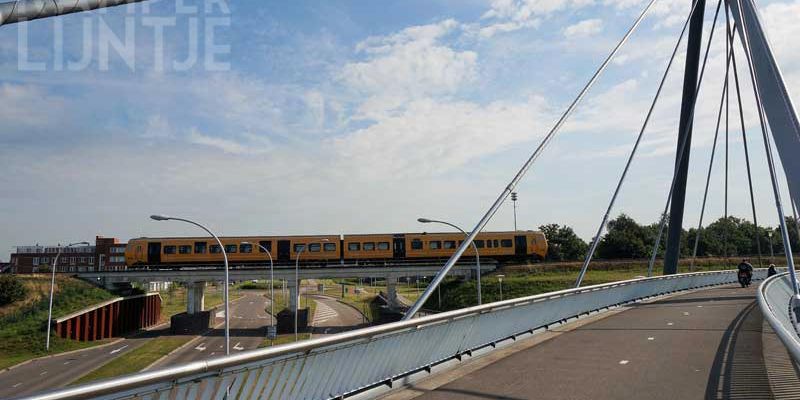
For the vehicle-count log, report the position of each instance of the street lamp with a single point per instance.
(52, 285)
(500, 279)
(271, 288)
(477, 256)
(227, 281)
(297, 281)
(514, 200)
(771, 251)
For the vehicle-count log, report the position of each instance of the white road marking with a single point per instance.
(221, 314)
(670, 323)
(324, 313)
(699, 306)
(43, 373)
(238, 346)
(67, 362)
(685, 313)
(651, 338)
(623, 362)
(118, 350)
(252, 302)
(17, 385)
(200, 347)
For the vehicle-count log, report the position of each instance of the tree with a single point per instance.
(563, 243)
(11, 289)
(625, 239)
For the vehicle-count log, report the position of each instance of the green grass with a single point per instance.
(23, 329)
(520, 282)
(136, 359)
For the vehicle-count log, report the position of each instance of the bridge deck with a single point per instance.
(706, 344)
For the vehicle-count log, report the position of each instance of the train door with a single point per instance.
(284, 250)
(399, 247)
(520, 245)
(154, 253)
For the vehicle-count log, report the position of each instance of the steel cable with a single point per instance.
(596, 240)
(683, 143)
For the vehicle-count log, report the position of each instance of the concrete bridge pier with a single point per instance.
(294, 294)
(391, 291)
(195, 297)
(196, 319)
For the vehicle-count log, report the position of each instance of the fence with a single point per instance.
(364, 362)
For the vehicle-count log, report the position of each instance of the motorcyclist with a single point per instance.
(771, 271)
(747, 268)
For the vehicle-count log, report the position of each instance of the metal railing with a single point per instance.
(366, 361)
(774, 297)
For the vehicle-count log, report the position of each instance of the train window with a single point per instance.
(230, 248)
(383, 246)
(185, 249)
(330, 246)
(369, 246)
(496, 243)
(200, 247)
(298, 247)
(266, 244)
(315, 247)
(245, 248)
(435, 244)
(170, 249)
(416, 244)
(354, 246)
(478, 243)
(449, 244)
(489, 243)
(215, 249)
(506, 243)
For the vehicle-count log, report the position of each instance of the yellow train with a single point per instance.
(330, 249)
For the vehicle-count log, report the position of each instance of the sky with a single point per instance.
(346, 116)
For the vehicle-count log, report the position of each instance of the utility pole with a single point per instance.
(514, 201)
(684, 137)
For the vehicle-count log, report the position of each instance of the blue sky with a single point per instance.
(348, 116)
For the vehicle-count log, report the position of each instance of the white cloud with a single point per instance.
(30, 106)
(512, 15)
(585, 28)
(250, 144)
(431, 137)
(408, 65)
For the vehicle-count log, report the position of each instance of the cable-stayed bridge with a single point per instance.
(672, 336)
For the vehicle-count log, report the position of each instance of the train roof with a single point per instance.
(323, 235)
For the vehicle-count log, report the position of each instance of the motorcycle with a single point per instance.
(744, 278)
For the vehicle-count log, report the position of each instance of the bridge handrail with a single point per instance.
(459, 332)
(774, 295)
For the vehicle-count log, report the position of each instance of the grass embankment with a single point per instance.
(520, 281)
(23, 324)
(285, 339)
(136, 359)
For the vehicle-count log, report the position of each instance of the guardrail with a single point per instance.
(774, 296)
(367, 361)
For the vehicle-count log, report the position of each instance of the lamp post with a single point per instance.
(227, 281)
(500, 279)
(297, 281)
(514, 200)
(771, 250)
(271, 290)
(477, 256)
(52, 285)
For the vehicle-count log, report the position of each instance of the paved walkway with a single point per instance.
(706, 344)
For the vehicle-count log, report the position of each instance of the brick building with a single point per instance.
(107, 254)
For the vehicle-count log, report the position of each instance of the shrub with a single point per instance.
(11, 289)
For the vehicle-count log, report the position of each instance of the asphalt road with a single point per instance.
(333, 317)
(706, 344)
(61, 370)
(247, 331)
